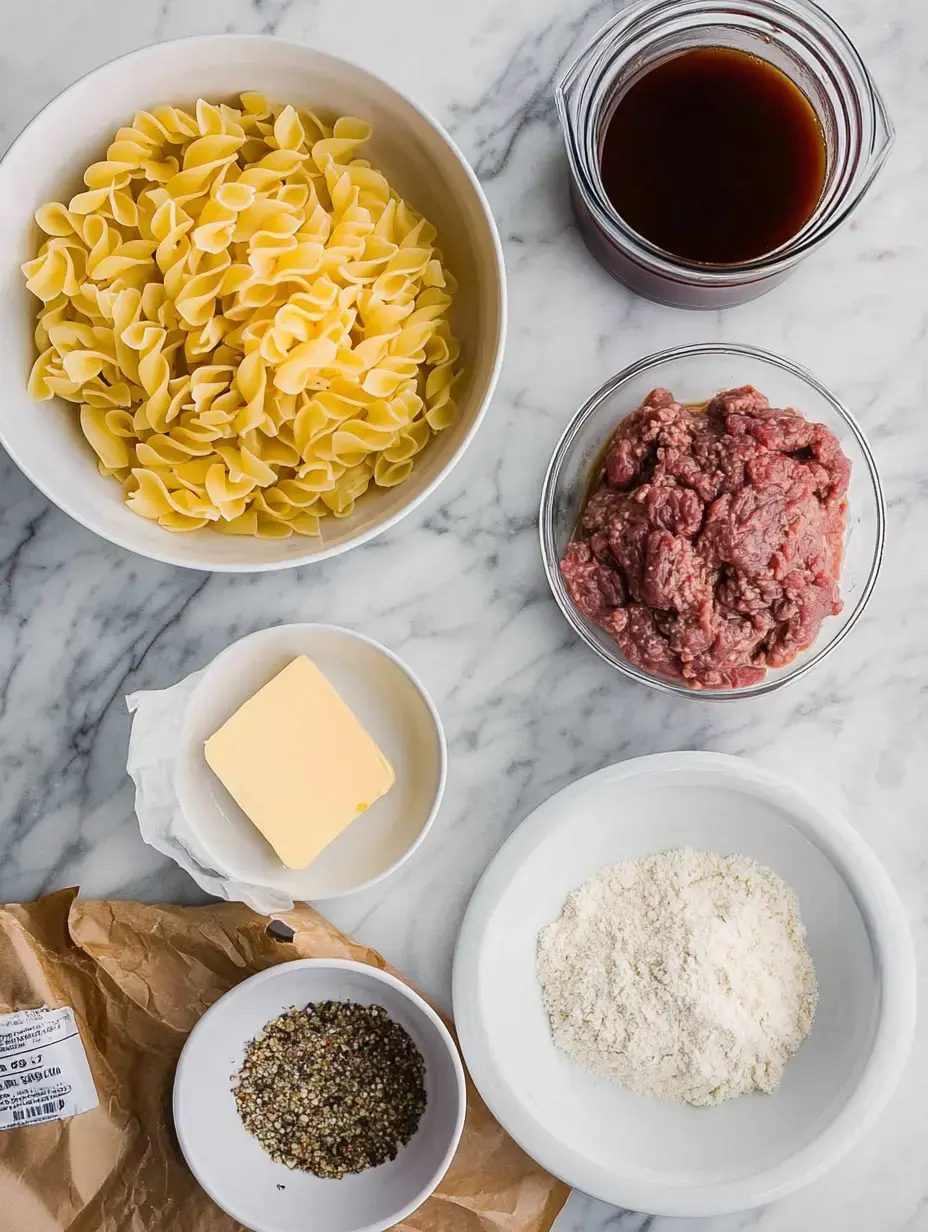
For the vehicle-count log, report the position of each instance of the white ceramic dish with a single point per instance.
(228, 1162)
(652, 1155)
(46, 163)
(391, 703)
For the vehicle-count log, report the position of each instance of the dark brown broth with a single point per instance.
(714, 155)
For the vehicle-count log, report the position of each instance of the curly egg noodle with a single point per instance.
(254, 323)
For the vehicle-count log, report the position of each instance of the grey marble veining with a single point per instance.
(457, 589)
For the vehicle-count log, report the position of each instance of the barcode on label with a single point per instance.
(51, 1107)
(44, 1075)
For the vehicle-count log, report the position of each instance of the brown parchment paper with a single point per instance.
(138, 977)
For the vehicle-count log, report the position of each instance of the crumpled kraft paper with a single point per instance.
(138, 977)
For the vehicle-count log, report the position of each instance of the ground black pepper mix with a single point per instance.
(334, 1088)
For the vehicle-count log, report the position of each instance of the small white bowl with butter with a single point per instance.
(312, 761)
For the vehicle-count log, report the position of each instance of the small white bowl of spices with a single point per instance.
(320, 1094)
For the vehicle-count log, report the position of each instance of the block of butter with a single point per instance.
(298, 763)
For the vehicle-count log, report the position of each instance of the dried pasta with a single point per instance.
(254, 324)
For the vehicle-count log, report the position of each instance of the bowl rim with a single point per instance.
(896, 974)
(376, 975)
(167, 556)
(350, 635)
(579, 623)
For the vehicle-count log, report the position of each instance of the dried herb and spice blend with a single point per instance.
(334, 1088)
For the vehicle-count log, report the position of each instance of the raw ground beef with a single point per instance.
(711, 546)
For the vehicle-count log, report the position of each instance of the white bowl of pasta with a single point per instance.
(252, 294)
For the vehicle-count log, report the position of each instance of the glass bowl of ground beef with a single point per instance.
(712, 521)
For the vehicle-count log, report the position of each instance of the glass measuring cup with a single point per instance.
(797, 37)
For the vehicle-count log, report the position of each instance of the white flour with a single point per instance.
(683, 976)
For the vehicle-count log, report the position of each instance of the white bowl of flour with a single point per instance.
(788, 1099)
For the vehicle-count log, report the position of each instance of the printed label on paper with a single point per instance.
(44, 1075)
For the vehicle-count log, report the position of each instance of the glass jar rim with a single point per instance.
(801, 19)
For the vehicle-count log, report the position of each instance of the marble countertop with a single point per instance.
(527, 708)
